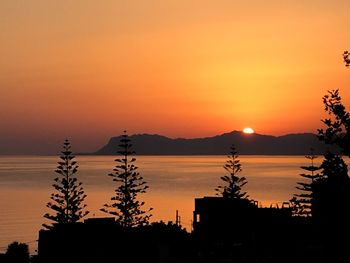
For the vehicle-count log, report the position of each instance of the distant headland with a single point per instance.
(246, 144)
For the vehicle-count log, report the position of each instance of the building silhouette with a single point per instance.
(224, 230)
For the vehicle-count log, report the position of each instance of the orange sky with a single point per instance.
(87, 69)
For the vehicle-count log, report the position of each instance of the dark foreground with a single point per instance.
(224, 231)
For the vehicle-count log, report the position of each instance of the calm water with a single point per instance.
(25, 186)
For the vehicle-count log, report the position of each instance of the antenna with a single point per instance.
(177, 220)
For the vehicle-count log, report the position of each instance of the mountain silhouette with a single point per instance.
(250, 144)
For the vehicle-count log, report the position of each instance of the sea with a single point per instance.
(174, 183)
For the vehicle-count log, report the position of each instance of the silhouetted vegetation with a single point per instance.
(17, 253)
(234, 183)
(104, 240)
(302, 203)
(346, 57)
(126, 207)
(331, 191)
(338, 126)
(67, 201)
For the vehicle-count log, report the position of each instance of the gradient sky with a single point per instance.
(87, 70)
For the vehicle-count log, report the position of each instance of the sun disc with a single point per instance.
(248, 130)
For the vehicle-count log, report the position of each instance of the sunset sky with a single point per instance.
(87, 70)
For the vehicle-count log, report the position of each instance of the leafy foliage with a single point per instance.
(346, 57)
(125, 206)
(338, 127)
(67, 201)
(17, 253)
(234, 183)
(301, 203)
(331, 191)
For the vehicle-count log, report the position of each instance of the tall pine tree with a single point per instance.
(125, 206)
(234, 183)
(301, 203)
(67, 202)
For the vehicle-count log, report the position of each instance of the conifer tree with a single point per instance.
(126, 206)
(234, 183)
(301, 203)
(67, 202)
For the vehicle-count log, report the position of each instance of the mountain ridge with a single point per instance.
(246, 144)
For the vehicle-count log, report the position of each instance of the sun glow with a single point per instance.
(248, 130)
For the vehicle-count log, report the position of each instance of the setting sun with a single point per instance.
(248, 130)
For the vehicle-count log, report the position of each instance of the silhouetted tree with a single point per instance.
(346, 57)
(301, 203)
(17, 253)
(331, 191)
(127, 209)
(338, 127)
(67, 201)
(234, 183)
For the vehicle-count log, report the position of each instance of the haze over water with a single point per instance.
(174, 181)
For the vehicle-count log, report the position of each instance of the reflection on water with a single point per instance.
(25, 186)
